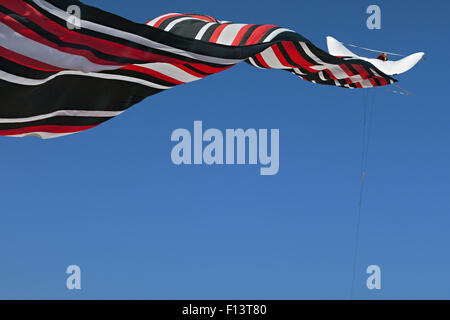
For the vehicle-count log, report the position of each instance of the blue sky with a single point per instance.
(111, 201)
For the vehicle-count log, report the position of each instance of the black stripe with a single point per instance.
(196, 70)
(56, 40)
(325, 75)
(322, 55)
(167, 21)
(303, 54)
(188, 28)
(125, 42)
(268, 32)
(377, 81)
(288, 58)
(352, 70)
(62, 121)
(369, 71)
(208, 34)
(70, 93)
(23, 71)
(342, 82)
(140, 75)
(201, 47)
(255, 61)
(64, 4)
(248, 34)
(121, 41)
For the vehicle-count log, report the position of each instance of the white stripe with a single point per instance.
(321, 76)
(203, 30)
(42, 135)
(275, 33)
(310, 54)
(34, 82)
(356, 78)
(297, 70)
(335, 69)
(319, 67)
(229, 33)
(14, 41)
(338, 72)
(171, 71)
(153, 22)
(132, 37)
(253, 63)
(64, 113)
(374, 72)
(298, 75)
(366, 83)
(173, 23)
(271, 59)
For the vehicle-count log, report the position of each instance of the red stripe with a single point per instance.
(261, 60)
(150, 57)
(258, 34)
(208, 19)
(153, 73)
(208, 69)
(241, 34)
(215, 36)
(21, 29)
(66, 35)
(160, 21)
(292, 50)
(191, 72)
(124, 50)
(373, 82)
(362, 72)
(383, 81)
(25, 61)
(211, 70)
(212, 19)
(328, 71)
(49, 129)
(346, 70)
(280, 56)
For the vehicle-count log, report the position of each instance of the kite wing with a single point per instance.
(391, 68)
(56, 81)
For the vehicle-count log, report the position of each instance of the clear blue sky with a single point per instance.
(111, 201)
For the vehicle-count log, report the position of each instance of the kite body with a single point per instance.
(56, 81)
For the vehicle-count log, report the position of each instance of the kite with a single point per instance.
(59, 77)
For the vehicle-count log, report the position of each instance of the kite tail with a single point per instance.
(59, 78)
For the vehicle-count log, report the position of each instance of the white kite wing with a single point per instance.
(336, 48)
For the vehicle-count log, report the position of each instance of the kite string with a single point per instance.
(373, 50)
(367, 132)
(378, 51)
(400, 90)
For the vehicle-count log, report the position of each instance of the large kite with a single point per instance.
(56, 79)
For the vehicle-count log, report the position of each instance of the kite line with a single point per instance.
(367, 133)
(378, 51)
(373, 50)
